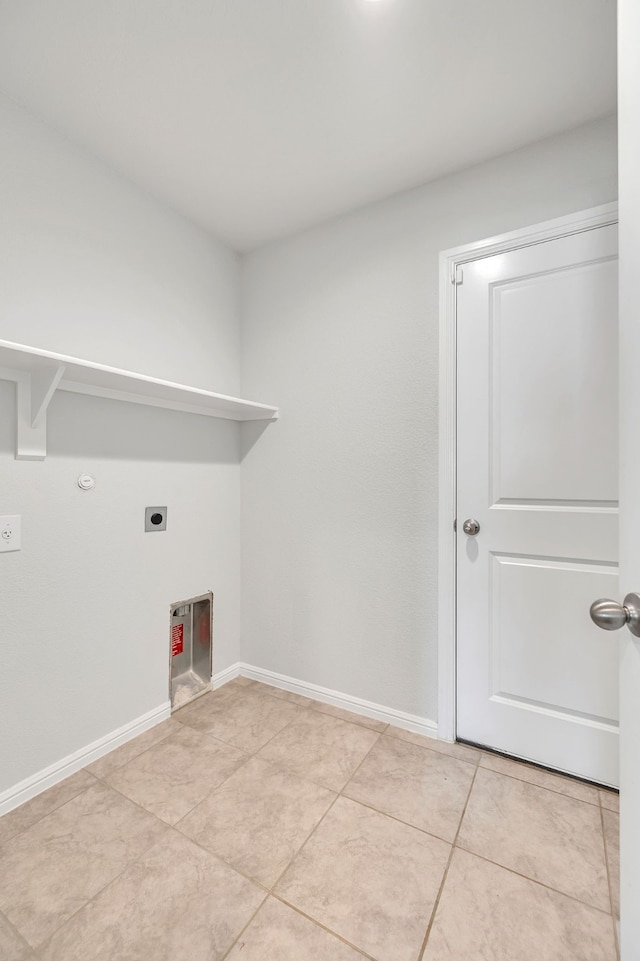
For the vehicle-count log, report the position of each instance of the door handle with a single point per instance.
(611, 616)
(471, 527)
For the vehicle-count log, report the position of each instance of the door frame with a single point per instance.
(450, 262)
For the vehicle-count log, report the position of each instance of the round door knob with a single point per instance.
(611, 616)
(471, 527)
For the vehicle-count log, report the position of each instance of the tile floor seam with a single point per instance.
(357, 768)
(526, 877)
(249, 922)
(394, 817)
(609, 882)
(109, 884)
(302, 707)
(227, 864)
(17, 930)
(52, 811)
(303, 845)
(206, 797)
(319, 924)
(136, 803)
(220, 740)
(97, 894)
(543, 787)
(312, 707)
(432, 750)
(249, 877)
(311, 833)
(606, 858)
(282, 766)
(445, 873)
(135, 756)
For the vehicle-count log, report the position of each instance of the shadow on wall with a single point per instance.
(93, 427)
(250, 433)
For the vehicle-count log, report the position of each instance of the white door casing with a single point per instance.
(513, 572)
(537, 467)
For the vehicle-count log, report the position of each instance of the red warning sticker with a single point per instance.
(177, 639)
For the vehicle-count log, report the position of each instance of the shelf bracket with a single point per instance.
(33, 395)
(43, 386)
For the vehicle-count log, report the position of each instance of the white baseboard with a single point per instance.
(408, 722)
(223, 677)
(37, 783)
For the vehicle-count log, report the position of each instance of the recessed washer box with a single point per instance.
(155, 518)
(190, 649)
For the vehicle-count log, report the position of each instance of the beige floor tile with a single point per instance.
(34, 810)
(534, 775)
(610, 800)
(12, 946)
(290, 696)
(258, 819)
(489, 914)
(543, 835)
(461, 751)
(237, 684)
(177, 903)
(321, 748)
(171, 777)
(368, 878)
(612, 845)
(244, 719)
(351, 716)
(278, 933)
(138, 745)
(419, 786)
(51, 870)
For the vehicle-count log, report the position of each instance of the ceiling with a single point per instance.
(258, 118)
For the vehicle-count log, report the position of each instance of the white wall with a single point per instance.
(340, 506)
(92, 266)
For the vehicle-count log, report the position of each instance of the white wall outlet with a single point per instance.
(9, 533)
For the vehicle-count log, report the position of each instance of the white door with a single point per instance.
(537, 469)
(629, 646)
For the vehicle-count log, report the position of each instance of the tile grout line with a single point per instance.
(17, 931)
(54, 809)
(319, 924)
(445, 874)
(609, 880)
(526, 877)
(338, 795)
(247, 925)
(116, 876)
(268, 891)
(543, 787)
(108, 884)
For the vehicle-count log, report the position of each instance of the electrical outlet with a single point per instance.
(9, 533)
(155, 518)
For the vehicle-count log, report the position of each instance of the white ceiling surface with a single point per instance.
(257, 118)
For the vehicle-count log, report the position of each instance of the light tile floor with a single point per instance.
(257, 825)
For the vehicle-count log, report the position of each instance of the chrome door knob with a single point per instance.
(611, 616)
(471, 527)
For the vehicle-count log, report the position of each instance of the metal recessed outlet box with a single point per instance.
(190, 649)
(155, 518)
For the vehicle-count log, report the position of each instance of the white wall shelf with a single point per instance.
(39, 373)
